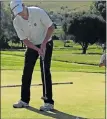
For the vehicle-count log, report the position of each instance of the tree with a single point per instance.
(5, 27)
(64, 27)
(7, 32)
(99, 8)
(87, 29)
(3, 24)
(55, 25)
(65, 35)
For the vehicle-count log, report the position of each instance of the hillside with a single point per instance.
(56, 5)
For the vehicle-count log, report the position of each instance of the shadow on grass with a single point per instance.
(95, 53)
(54, 114)
(90, 53)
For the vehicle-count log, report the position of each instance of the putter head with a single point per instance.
(44, 98)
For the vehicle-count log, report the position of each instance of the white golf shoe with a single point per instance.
(47, 107)
(20, 104)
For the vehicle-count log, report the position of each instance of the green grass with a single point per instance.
(85, 98)
(63, 59)
(77, 58)
(9, 60)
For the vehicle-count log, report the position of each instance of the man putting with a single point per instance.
(34, 28)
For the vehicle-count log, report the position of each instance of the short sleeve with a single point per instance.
(19, 32)
(45, 19)
(103, 58)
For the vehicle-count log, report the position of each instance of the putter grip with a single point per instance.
(42, 58)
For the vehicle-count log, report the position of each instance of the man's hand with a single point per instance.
(32, 46)
(40, 52)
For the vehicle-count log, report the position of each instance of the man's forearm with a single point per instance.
(49, 33)
(30, 45)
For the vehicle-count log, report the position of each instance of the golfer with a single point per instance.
(103, 60)
(34, 28)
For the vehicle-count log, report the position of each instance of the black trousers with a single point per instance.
(31, 57)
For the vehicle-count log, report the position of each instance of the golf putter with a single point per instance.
(44, 97)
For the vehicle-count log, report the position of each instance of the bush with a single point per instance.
(54, 37)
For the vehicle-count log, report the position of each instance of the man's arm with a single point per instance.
(47, 22)
(48, 35)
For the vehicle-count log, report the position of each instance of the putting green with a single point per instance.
(84, 98)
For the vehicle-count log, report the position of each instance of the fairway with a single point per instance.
(85, 98)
